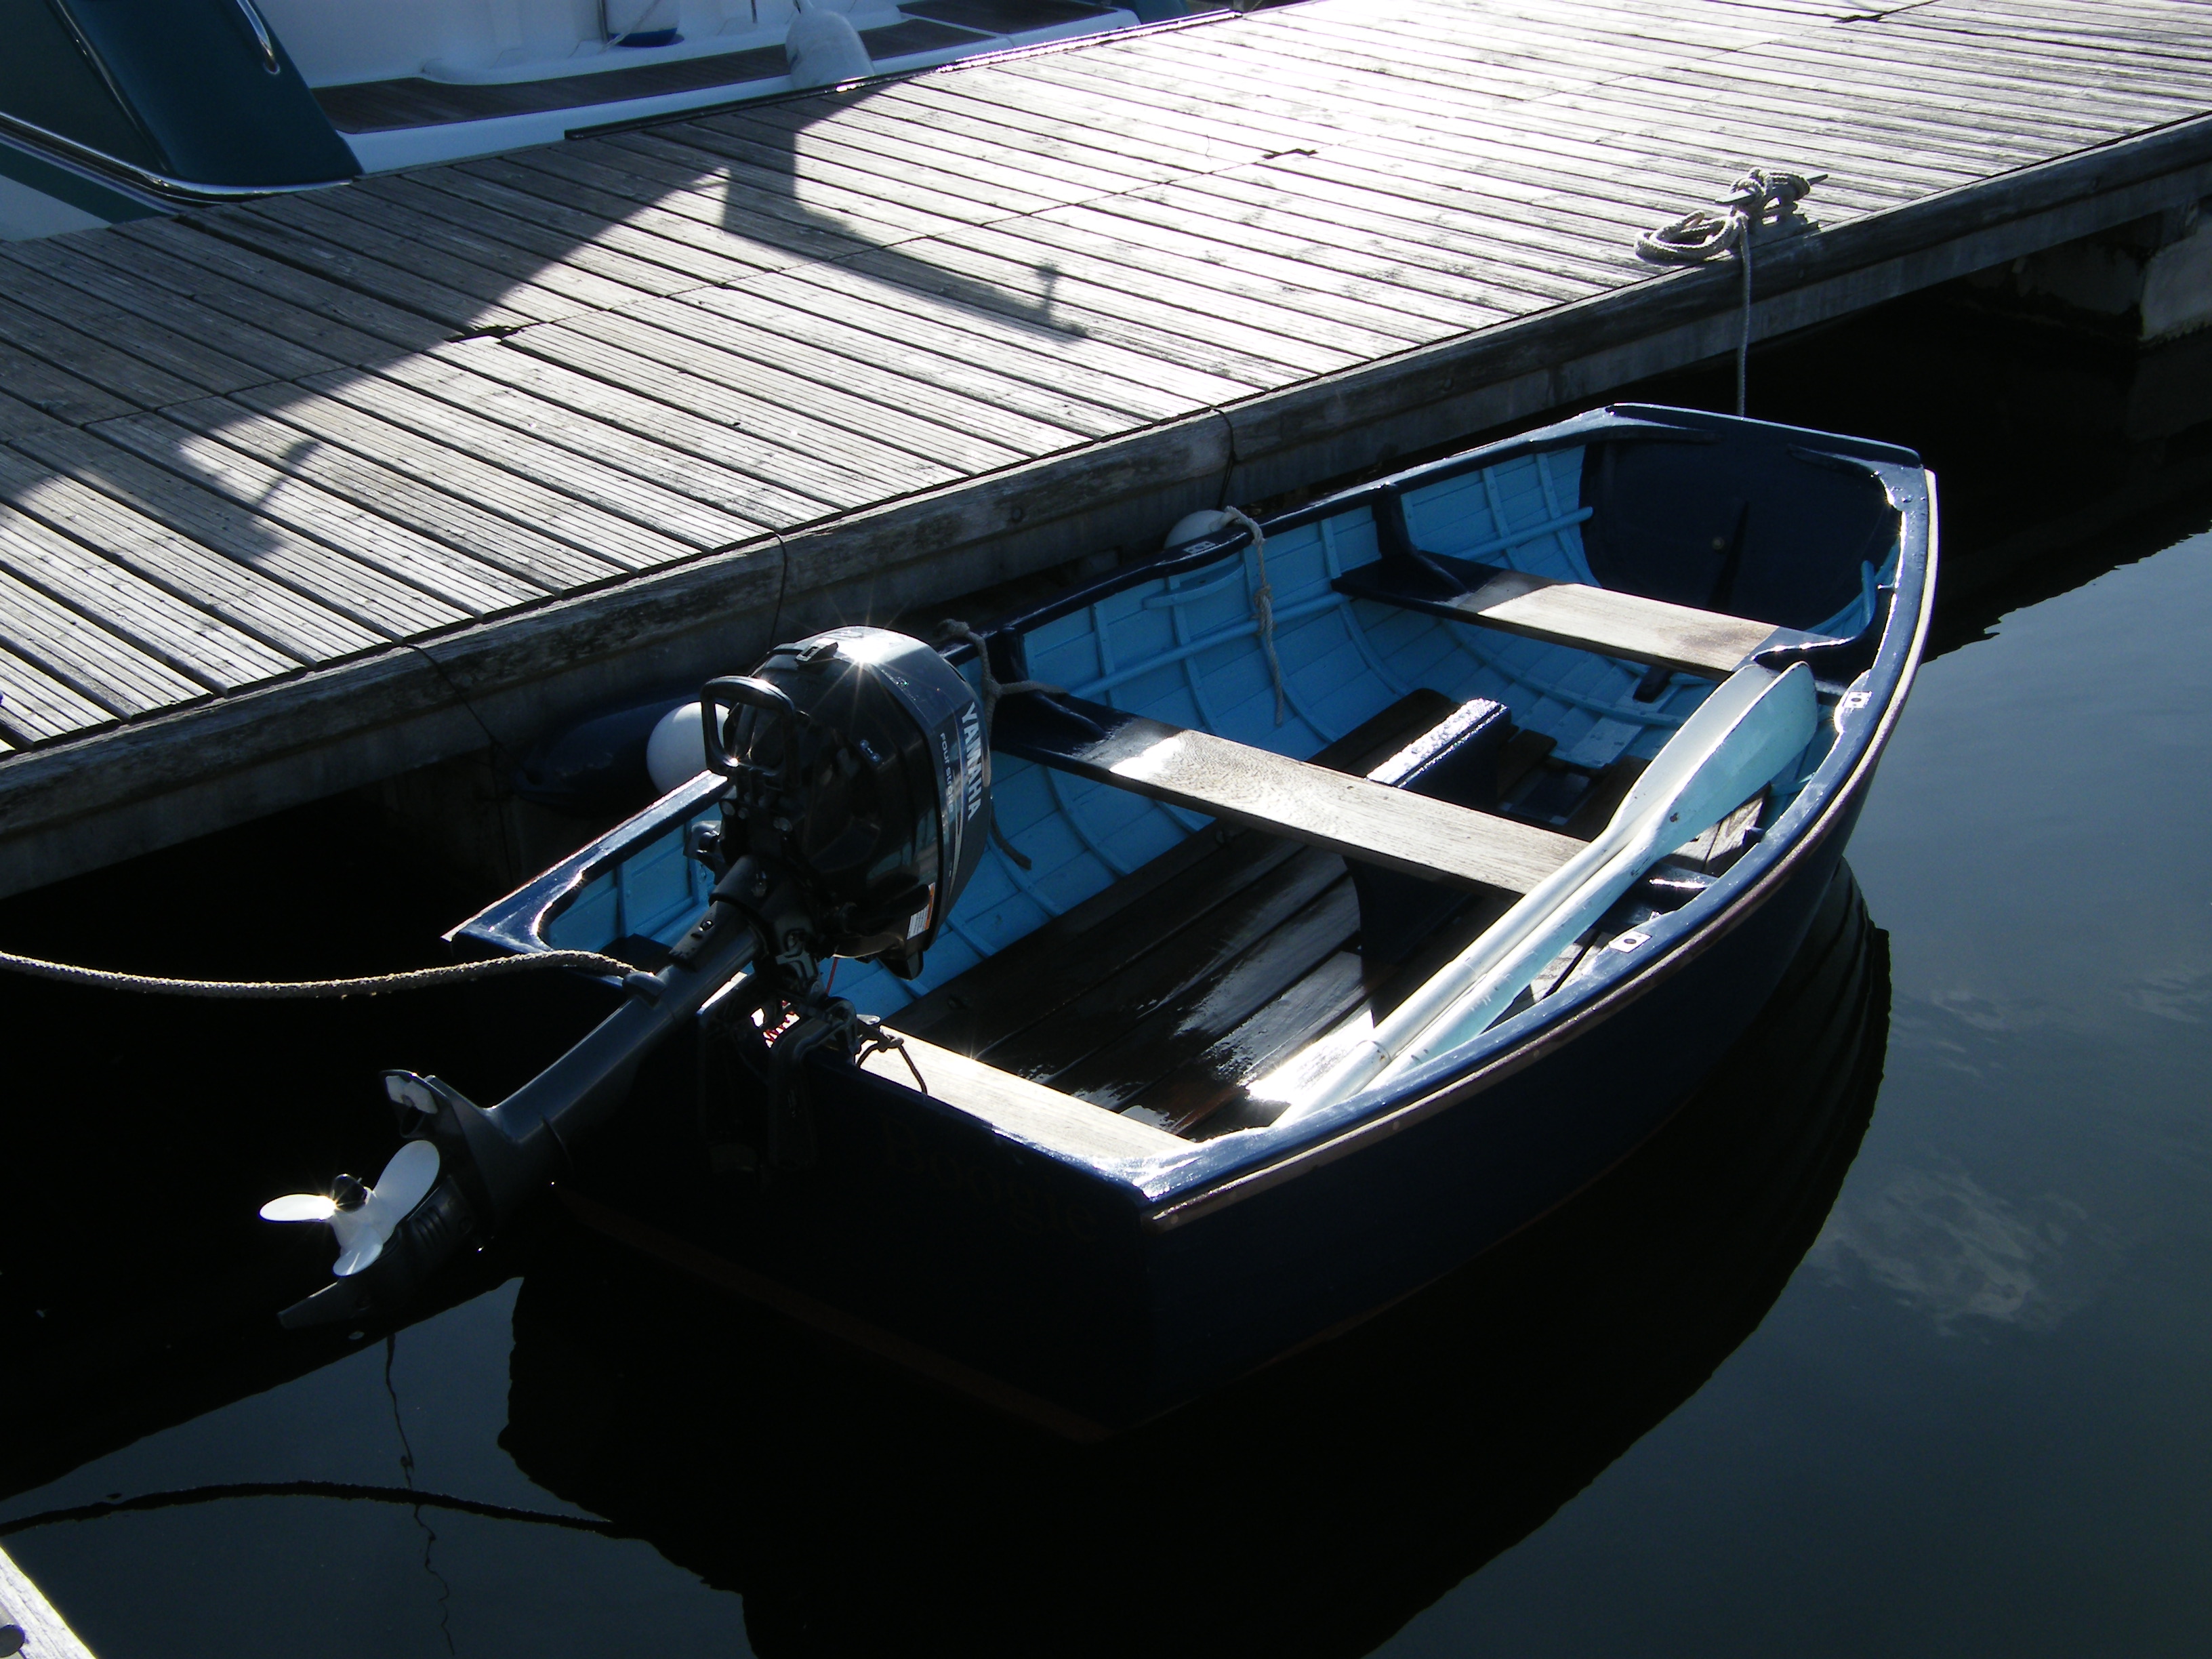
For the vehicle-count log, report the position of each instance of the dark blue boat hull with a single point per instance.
(1011, 1276)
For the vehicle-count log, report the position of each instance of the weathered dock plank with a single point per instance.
(189, 249)
(297, 492)
(202, 575)
(417, 531)
(197, 643)
(402, 288)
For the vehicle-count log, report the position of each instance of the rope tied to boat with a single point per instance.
(1263, 601)
(1729, 225)
(989, 688)
(252, 990)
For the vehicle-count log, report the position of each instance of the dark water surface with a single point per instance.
(1943, 1390)
(1979, 1420)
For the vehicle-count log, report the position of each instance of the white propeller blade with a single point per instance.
(362, 1231)
(300, 1207)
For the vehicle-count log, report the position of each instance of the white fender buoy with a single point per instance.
(676, 753)
(823, 48)
(1196, 527)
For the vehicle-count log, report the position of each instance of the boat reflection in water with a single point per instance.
(1311, 1509)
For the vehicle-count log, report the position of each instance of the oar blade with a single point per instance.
(1762, 722)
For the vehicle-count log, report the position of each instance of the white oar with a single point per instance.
(1739, 736)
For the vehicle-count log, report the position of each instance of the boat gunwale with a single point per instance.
(155, 188)
(1613, 423)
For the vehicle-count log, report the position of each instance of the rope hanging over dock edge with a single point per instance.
(1731, 224)
(1263, 601)
(415, 979)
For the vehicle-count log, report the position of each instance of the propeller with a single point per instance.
(363, 1218)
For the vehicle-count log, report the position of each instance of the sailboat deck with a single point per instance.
(299, 492)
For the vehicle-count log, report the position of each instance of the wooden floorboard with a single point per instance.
(954, 317)
(269, 472)
(960, 325)
(680, 261)
(596, 253)
(89, 658)
(396, 280)
(749, 474)
(33, 391)
(144, 365)
(470, 376)
(954, 374)
(677, 521)
(690, 346)
(1012, 278)
(541, 289)
(268, 545)
(852, 468)
(725, 321)
(263, 353)
(35, 707)
(481, 477)
(195, 289)
(780, 231)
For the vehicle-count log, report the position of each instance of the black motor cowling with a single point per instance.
(860, 774)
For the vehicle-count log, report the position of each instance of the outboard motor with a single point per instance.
(856, 812)
(859, 773)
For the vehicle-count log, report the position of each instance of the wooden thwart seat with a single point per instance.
(1102, 998)
(1627, 625)
(1349, 816)
(1028, 1110)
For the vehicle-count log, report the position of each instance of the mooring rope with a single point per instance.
(990, 689)
(1263, 601)
(1731, 223)
(250, 990)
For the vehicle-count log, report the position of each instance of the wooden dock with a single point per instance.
(302, 493)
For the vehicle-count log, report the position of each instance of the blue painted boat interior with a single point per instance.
(1184, 647)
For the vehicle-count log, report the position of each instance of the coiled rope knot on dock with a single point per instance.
(1728, 225)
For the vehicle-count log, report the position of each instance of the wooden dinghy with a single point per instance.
(1361, 885)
